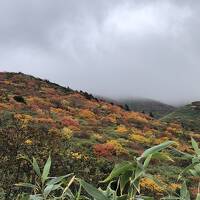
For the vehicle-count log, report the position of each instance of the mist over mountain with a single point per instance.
(143, 105)
(112, 48)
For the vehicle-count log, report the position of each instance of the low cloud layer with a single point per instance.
(114, 48)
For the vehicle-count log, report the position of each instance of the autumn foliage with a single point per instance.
(47, 117)
(105, 150)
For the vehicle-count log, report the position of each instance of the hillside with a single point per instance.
(84, 135)
(188, 116)
(148, 106)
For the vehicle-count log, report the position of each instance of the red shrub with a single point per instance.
(67, 121)
(105, 150)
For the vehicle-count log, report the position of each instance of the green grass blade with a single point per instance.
(156, 149)
(27, 185)
(36, 167)
(195, 146)
(46, 170)
(119, 169)
(92, 191)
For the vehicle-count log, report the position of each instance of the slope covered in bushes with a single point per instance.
(85, 135)
(188, 116)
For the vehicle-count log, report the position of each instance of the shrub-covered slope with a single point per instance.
(83, 134)
(188, 116)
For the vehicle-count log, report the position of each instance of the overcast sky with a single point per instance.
(115, 48)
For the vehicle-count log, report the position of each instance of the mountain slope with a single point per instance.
(148, 106)
(188, 116)
(84, 135)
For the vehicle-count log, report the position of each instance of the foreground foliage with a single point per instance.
(123, 183)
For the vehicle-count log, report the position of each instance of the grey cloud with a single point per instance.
(116, 48)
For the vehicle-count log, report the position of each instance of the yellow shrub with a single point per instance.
(78, 156)
(110, 118)
(174, 186)
(97, 136)
(65, 103)
(160, 140)
(156, 123)
(7, 82)
(24, 119)
(136, 131)
(136, 117)
(149, 184)
(121, 129)
(44, 120)
(149, 133)
(104, 107)
(140, 138)
(28, 142)
(117, 146)
(56, 110)
(67, 133)
(85, 113)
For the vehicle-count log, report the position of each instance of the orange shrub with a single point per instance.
(110, 119)
(7, 82)
(68, 121)
(39, 102)
(149, 184)
(5, 106)
(105, 150)
(108, 149)
(175, 186)
(121, 129)
(136, 117)
(85, 113)
(56, 110)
